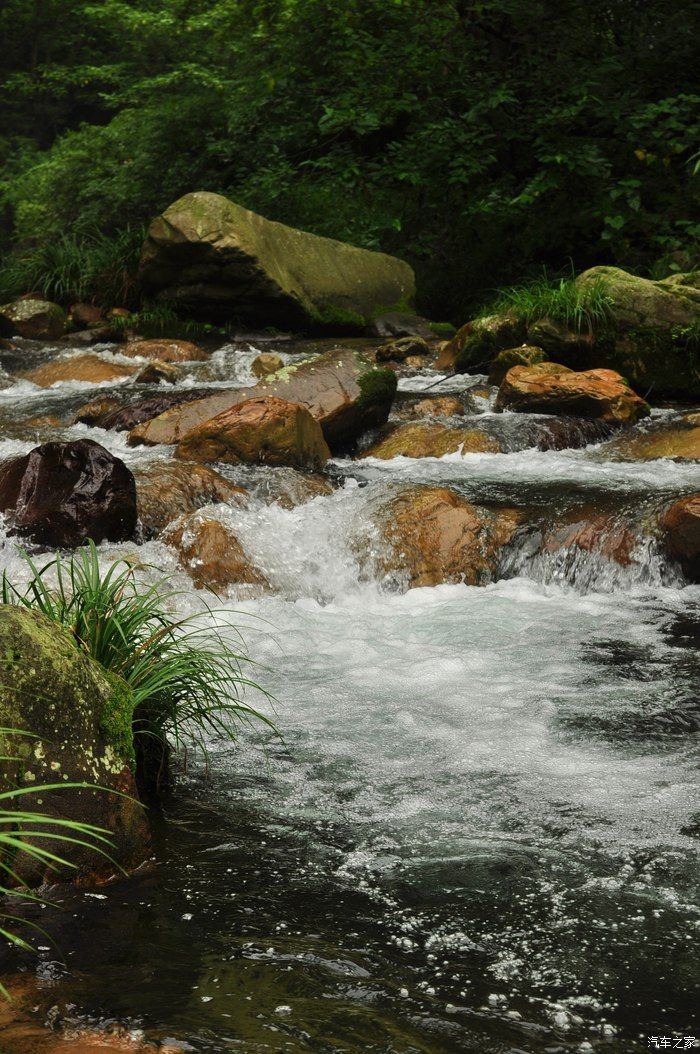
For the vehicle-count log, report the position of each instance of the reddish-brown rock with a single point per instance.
(92, 369)
(431, 439)
(681, 531)
(437, 536)
(164, 350)
(93, 412)
(61, 494)
(210, 552)
(552, 389)
(268, 430)
(167, 490)
(433, 406)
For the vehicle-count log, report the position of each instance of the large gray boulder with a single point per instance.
(216, 260)
(342, 389)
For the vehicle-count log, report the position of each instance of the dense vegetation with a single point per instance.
(480, 139)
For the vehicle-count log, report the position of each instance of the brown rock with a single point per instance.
(430, 439)
(266, 363)
(402, 348)
(525, 355)
(155, 372)
(93, 412)
(291, 488)
(477, 343)
(603, 533)
(341, 389)
(210, 553)
(552, 389)
(269, 430)
(89, 368)
(167, 490)
(85, 316)
(681, 532)
(438, 536)
(32, 318)
(679, 438)
(165, 350)
(61, 494)
(434, 406)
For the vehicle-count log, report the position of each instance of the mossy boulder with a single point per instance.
(525, 355)
(477, 343)
(80, 716)
(639, 302)
(216, 260)
(33, 319)
(342, 389)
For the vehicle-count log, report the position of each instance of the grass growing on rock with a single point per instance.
(582, 309)
(185, 677)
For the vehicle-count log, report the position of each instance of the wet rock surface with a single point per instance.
(88, 368)
(681, 527)
(61, 494)
(552, 389)
(33, 319)
(166, 491)
(210, 552)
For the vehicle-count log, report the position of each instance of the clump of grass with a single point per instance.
(186, 676)
(582, 309)
(22, 832)
(161, 320)
(85, 265)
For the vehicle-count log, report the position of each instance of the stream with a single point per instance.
(479, 828)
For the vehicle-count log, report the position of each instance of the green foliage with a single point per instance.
(160, 320)
(479, 140)
(88, 266)
(185, 677)
(582, 309)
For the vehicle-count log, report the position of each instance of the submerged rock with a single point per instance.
(216, 259)
(268, 430)
(164, 350)
(167, 490)
(681, 532)
(266, 363)
(603, 533)
(91, 369)
(437, 536)
(94, 411)
(341, 389)
(61, 494)
(552, 389)
(403, 349)
(210, 553)
(33, 319)
(81, 718)
(431, 439)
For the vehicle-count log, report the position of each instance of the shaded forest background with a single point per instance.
(482, 141)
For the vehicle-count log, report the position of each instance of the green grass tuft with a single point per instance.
(186, 677)
(582, 309)
(86, 266)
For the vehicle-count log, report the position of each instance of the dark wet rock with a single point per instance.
(562, 344)
(157, 372)
(265, 430)
(341, 389)
(167, 490)
(400, 324)
(402, 349)
(525, 355)
(438, 536)
(82, 720)
(33, 319)
(553, 389)
(210, 552)
(141, 410)
(215, 259)
(477, 343)
(61, 494)
(681, 533)
(86, 316)
(430, 439)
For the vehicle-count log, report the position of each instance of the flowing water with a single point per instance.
(479, 831)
